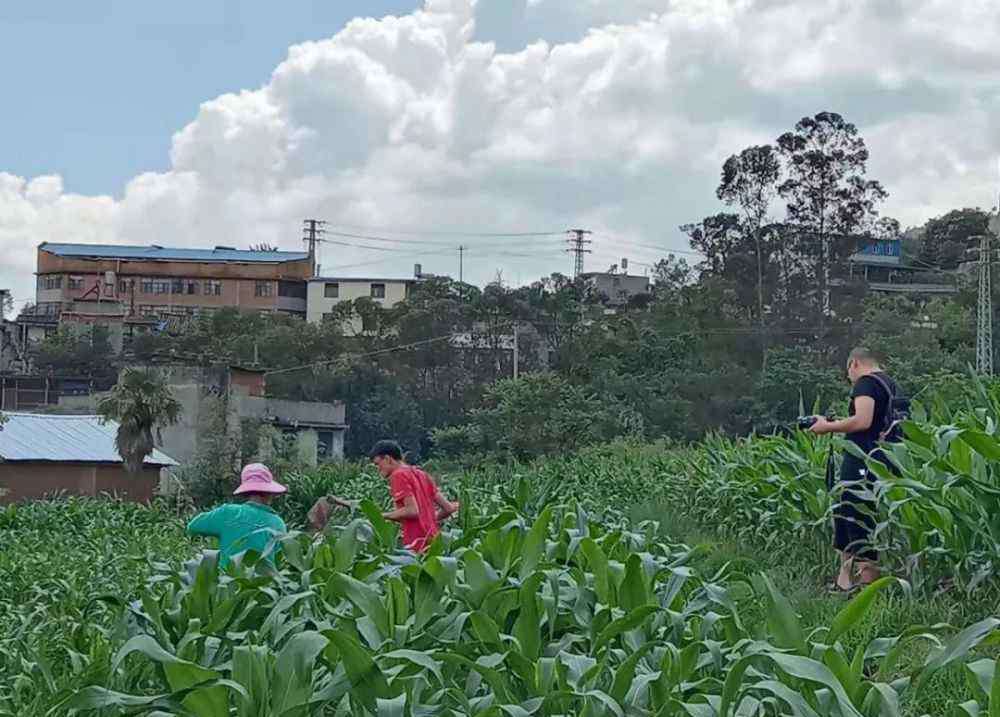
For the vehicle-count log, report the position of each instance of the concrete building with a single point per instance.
(616, 289)
(326, 293)
(880, 264)
(96, 282)
(46, 454)
(228, 404)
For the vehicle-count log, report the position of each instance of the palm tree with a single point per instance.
(140, 402)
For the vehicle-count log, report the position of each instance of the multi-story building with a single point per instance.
(87, 280)
(325, 293)
(616, 289)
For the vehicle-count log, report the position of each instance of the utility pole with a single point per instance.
(312, 233)
(461, 264)
(984, 327)
(576, 247)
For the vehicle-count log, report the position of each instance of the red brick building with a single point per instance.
(94, 280)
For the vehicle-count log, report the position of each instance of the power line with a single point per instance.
(369, 354)
(437, 232)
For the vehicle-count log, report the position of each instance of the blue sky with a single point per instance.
(95, 89)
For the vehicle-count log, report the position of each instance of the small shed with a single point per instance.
(42, 454)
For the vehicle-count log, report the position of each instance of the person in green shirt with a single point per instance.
(244, 526)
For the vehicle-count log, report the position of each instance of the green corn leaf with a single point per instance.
(527, 628)
(485, 628)
(782, 619)
(631, 621)
(365, 598)
(293, 680)
(983, 444)
(252, 668)
(626, 672)
(386, 531)
(598, 562)
(994, 704)
(367, 679)
(857, 608)
(633, 591)
(395, 707)
(806, 668)
(421, 659)
(534, 543)
(793, 698)
(480, 577)
(959, 646)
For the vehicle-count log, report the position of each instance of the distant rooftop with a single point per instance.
(64, 438)
(160, 253)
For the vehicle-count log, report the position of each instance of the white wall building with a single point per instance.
(325, 293)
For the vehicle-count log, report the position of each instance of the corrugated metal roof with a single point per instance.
(50, 437)
(159, 253)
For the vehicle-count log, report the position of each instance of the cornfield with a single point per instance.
(549, 596)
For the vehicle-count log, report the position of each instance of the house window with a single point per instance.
(75, 282)
(50, 282)
(263, 288)
(331, 290)
(292, 289)
(190, 287)
(378, 291)
(213, 288)
(123, 287)
(177, 286)
(161, 287)
(146, 285)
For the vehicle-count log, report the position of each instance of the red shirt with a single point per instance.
(406, 481)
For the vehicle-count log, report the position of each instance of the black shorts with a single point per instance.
(854, 514)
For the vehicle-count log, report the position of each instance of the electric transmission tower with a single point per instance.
(984, 324)
(577, 246)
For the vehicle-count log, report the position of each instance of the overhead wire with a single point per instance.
(446, 232)
(379, 352)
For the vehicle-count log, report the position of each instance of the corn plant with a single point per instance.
(547, 613)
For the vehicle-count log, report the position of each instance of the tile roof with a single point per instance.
(159, 253)
(64, 438)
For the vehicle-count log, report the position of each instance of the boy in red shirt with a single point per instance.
(419, 503)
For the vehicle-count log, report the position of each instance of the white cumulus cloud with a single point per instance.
(420, 121)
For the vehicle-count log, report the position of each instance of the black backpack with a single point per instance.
(896, 413)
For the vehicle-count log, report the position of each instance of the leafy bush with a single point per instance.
(543, 413)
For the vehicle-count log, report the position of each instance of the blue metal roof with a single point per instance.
(159, 253)
(65, 438)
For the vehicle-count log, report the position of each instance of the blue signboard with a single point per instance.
(881, 247)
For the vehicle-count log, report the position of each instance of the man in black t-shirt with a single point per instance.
(854, 515)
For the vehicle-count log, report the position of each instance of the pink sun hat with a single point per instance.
(256, 478)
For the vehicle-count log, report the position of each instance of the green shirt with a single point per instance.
(239, 527)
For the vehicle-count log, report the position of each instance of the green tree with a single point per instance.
(140, 402)
(945, 240)
(750, 181)
(829, 200)
(543, 413)
(76, 352)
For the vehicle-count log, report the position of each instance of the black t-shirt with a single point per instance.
(868, 386)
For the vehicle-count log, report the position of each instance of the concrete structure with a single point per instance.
(880, 264)
(616, 289)
(228, 404)
(108, 282)
(325, 293)
(42, 455)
